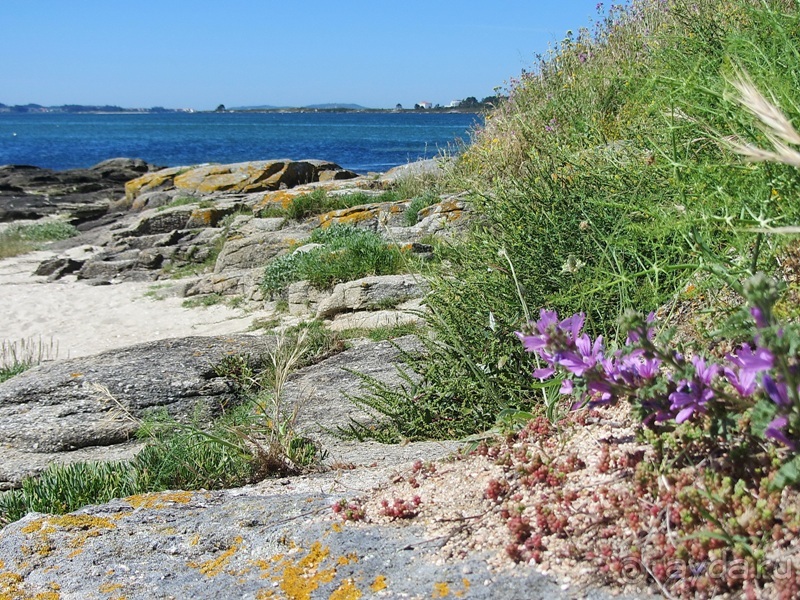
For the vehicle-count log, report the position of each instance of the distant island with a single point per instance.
(468, 105)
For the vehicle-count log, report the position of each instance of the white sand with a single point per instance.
(82, 319)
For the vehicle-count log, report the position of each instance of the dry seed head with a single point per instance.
(779, 129)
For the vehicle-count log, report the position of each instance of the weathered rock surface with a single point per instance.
(252, 543)
(256, 176)
(50, 412)
(58, 407)
(371, 293)
(85, 194)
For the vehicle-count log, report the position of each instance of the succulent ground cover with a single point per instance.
(591, 503)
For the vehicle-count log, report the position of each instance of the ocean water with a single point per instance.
(361, 142)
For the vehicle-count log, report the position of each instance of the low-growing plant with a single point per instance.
(347, 253)
(21, 238)
(411, 214)
(203, 301)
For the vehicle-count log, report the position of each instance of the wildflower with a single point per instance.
(777, 391)
(776, 430)
(746, 365)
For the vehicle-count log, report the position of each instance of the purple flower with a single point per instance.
(758, 317)
(777, 391)
(776, 430)
(544, 373)
(760, 360)
(691, 398)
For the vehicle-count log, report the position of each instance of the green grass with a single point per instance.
(347, 253)
(601, 183)
(411, 214)
(19, 239)
(19, 356)
(380, 334)
(205, 300)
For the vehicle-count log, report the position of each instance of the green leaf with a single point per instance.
(788, 475)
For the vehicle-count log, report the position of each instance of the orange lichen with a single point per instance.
(11, 589)
(107, 588)
(347, 559)
(440, 590)
(159, 500)
(214, 566)
(379, 584)
(346, 591)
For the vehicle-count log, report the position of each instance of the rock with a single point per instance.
(321, 391)
(407, 313)
(258, 542)
(57, 407)
(420, 168)
(57, 267)
(303, 298)
(369, 216)
(243, 177)
(255, 248)
(28, 192)
(371, 293)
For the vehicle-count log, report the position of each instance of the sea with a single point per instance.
(360, 141)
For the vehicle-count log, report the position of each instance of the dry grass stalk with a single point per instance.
(778, 129)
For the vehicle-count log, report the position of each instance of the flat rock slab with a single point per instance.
(61, 407)
(250, 543)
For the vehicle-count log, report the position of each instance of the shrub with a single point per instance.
(411, 214)
(320, 201)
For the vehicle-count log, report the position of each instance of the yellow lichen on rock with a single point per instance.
(214, 566)
(158, 499)
(379, 584)
(346, 591)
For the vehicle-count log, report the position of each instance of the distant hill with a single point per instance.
(80, 108)
(334, 106)
(259, 107)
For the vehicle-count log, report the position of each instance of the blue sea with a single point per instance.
(361, 142)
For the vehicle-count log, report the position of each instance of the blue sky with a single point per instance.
(198, 54)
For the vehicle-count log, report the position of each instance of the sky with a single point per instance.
(199, 54)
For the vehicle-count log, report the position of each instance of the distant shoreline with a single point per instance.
(7, 110)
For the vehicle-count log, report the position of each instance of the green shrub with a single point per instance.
(320, 201)
(347, 253)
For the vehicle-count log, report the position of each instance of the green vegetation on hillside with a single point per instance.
(601, 185)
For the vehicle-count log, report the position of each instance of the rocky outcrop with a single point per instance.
(258, 542)
(371, 293)
(247, 177)
(84, 194)
(57, 408)
(87, 408)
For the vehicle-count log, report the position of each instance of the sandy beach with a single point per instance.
(83, 320)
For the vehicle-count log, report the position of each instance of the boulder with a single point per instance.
(61, 407)
(371, 293)
(407, 313)
(246, 177)
(253, 243)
